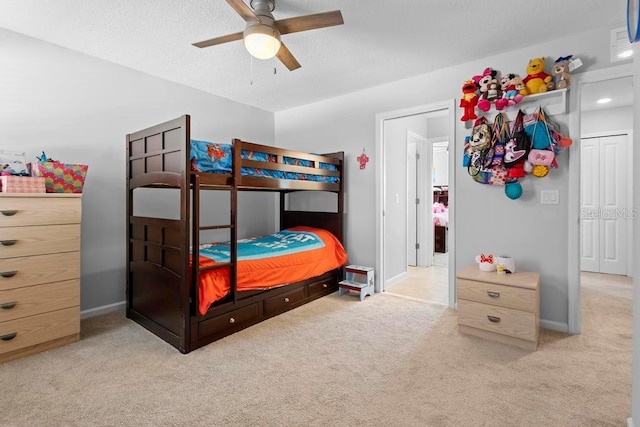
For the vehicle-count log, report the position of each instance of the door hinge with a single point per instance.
(417, 200)
(417, 245)
(417, 156)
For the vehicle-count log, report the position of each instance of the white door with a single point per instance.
(604, 204)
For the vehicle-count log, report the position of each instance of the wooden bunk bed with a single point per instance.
(162, 282)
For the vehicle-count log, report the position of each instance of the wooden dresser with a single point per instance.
(505, 307)
(39, 272)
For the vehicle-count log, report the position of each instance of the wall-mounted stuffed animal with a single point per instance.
(560, 71)
(511, 86)
(469, 100)
(489, 87)
(536, 79)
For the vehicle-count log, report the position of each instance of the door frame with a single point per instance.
(629, 177)
(449, 105)
(423, 216)
(573, 255)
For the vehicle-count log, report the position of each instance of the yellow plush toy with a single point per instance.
(536, 80)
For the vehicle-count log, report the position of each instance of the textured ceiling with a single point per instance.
(381, 40)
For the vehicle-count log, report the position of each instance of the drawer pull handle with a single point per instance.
(324, 285)
(493, 319)
(8, 242)
(493, 294)
(8, 337)
(9, 213)
(286, 300)
(8, 274)
(8, 305)
(232, 320)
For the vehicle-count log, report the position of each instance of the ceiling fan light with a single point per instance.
(262, 41)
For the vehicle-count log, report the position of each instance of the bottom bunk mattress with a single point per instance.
(266, 262)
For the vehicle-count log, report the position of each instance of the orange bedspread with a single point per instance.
(269, 273)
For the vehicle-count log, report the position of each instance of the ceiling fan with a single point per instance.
(262, 34)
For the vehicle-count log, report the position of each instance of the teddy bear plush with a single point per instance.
(468, 101)
(536, 79)
(560, 71)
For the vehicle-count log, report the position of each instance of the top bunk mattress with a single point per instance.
(217, 158)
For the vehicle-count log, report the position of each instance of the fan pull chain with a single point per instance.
(251, 71)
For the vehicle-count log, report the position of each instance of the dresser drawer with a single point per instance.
(36, 270)
(283, 302)
(28, 331)
(504, 296)
(21, 211)
(23, 302)
(235, 319)
(44, 239)
(320, 288)
(501, 320)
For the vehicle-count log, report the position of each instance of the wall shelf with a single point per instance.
(553, 102)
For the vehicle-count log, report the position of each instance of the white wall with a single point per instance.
(611, 119)
(78, 109)
(486, 220)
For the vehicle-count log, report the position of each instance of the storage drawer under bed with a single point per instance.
(283, 302)
(235, 320)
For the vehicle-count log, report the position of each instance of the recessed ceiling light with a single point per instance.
(625, 53)
(603, 100)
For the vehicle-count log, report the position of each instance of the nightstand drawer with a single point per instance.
(23, 302)
(501, 320)
(21, 211)
(36, 270)
(44, 239)
(28, 331)
(501, 295)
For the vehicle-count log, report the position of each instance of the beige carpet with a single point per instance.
(386, 361)
(424, 283)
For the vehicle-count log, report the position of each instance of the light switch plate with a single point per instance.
(549, 197)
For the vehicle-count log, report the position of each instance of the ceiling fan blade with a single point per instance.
(219, 40)
(286, 57)
(243, 10)
(309, 22)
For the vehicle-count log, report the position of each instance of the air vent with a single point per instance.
(621, 49)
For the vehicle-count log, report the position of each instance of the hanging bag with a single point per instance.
(518, 145)
(539, 131)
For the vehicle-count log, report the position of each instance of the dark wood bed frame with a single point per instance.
(162, 285)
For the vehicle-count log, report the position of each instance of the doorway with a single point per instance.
(398, 204)
(600, 183)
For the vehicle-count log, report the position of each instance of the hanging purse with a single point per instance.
(518, 145)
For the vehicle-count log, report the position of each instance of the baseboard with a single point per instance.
(395, 279)
(118, 306)
(554, 326)
(629, 422)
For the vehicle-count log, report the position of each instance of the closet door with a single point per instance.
(604, 203)
(590, 204)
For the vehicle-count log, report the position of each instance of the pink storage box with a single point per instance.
(22, 184)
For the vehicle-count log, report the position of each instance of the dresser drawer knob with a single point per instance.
(9, 213)
(493, 319)
(324, 285)
(8, 274)
(8, 242)
(493, 294)
(8, 305)
(286, 299)
(8, 337)
(232, 320)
